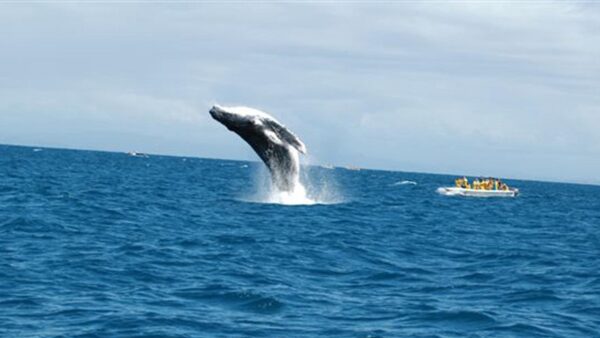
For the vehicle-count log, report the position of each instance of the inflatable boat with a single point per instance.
(456, 191)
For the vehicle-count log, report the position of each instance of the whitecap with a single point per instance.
(405, 183)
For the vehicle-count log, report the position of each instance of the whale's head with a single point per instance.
(231, 118)
(249, 122)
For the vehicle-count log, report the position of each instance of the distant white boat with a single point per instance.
(455, 191)
(136, 154)
(37, 149)
(353, 168)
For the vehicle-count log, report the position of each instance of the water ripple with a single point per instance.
(102, 244)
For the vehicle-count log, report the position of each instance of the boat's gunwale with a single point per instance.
(512, 192)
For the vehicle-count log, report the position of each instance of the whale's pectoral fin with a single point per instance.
(287, 136)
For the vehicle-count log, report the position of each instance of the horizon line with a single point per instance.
(347, 167)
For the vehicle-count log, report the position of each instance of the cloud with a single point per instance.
(475, 88)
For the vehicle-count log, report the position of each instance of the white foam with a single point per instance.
(296, 197)
(310, 188)
(446, 192)
(405, 183)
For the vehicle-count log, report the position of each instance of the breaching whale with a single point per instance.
(276, 145)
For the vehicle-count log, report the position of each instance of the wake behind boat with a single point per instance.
(491, 187)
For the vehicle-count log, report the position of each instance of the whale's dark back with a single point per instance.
(279, 158)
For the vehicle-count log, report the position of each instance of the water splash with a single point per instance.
(312, 186)
(298, 196)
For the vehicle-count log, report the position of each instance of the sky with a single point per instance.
(495, 88)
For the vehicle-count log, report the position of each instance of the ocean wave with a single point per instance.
(405, 183)
(95, 244)
(241, 300)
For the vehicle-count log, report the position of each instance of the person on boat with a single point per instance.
(461, 182)
(476, 184)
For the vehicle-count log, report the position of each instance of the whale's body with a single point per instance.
(276, 145)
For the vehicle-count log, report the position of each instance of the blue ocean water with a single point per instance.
(97, 244)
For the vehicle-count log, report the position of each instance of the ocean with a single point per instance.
(97, 244)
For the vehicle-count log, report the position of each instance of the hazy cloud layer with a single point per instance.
(505, 89)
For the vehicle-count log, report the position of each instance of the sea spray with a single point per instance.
(266, 191)
(315, 185)
(321, 184)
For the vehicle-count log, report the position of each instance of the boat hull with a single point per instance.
(454, 191)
